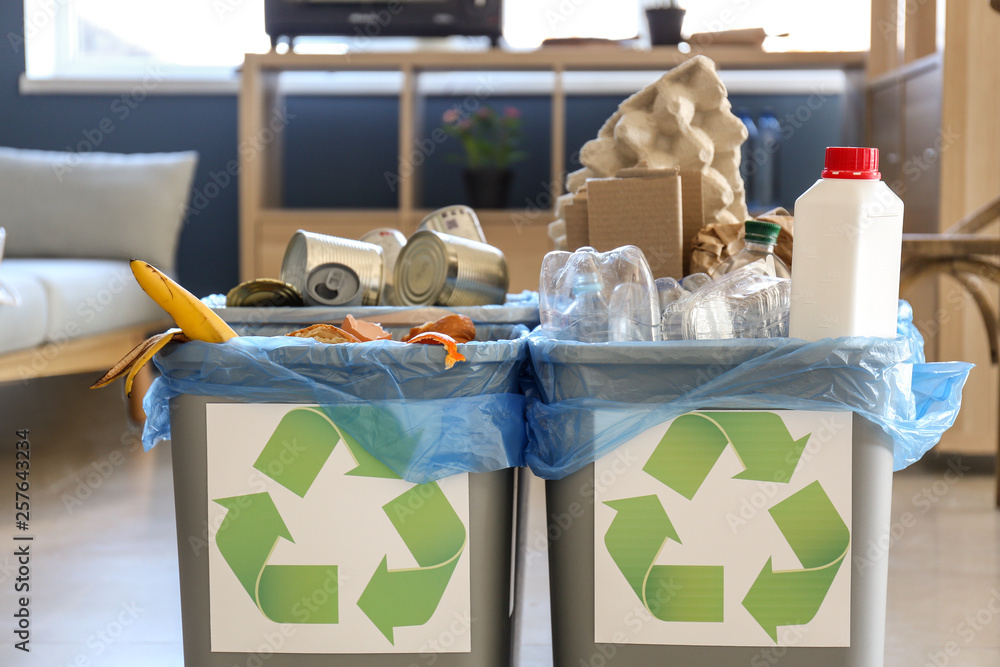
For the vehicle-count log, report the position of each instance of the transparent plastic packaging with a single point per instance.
(747, 303)
(635, 386)
(594, 297)
(744, 304)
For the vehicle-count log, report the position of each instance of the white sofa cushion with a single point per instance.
(22, 326)
(89, 205)
(87, 296)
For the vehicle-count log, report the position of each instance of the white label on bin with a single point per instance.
(317, 547)
(726, 529)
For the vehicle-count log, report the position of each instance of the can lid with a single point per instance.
(263, 292)
(421, 269)
(760, 231)
(851, 163)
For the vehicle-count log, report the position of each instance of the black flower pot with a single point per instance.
(665, 25)
(487, 187)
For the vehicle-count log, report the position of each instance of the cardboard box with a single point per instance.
(693, 213)
(576, 217)
(641, 207)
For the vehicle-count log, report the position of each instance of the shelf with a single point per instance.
(265, 226)
(564, 58)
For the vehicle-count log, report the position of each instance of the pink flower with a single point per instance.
(512, 112)
(451, 116)
(485, 112)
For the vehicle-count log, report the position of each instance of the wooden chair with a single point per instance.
(969, 257)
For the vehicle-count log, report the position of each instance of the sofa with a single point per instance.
(68, 302)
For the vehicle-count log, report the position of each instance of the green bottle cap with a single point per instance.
(759, 231)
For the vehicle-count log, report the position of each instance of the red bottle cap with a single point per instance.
(855, 163)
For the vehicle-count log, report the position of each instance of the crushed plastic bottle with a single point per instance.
(747, 303)
(597, 297)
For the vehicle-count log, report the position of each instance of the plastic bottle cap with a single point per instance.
(759, 231)
(852, 163)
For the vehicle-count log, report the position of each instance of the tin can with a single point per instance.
(263, 293)
(333, 271)
(391, 241)
(446, 270)
(458, 221)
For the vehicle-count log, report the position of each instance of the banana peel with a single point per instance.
(195, 321)
(140, 355)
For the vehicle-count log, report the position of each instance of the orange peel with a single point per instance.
(435, 338)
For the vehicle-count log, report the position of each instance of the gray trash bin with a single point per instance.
(491, 498)
(577, 543)
(442, 591)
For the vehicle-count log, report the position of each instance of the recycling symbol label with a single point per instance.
(726, 529)
(318, 547)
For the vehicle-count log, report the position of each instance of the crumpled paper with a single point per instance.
(717, 242)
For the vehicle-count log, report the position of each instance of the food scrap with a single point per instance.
(325, 333)
(458, 327)
(435, 338)
(364, 331)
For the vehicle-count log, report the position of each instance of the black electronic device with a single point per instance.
(378, 18)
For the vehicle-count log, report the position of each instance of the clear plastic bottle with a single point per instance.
(758, 245)
(743, 304)
(586, 319)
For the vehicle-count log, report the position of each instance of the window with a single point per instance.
(839, 26)
(192, 38)
(109, 38)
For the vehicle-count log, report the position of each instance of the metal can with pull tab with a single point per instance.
(333, 271)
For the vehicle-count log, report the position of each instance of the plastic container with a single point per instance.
(444, 430)
(848, 242)
(571, 373)
(759, 242)
(572, 567)
(491, 497)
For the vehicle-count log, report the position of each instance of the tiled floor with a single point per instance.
(104, 582)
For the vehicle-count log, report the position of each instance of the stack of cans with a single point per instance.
(447, 262)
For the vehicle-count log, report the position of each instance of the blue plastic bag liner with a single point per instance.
(639, 385)
(520, 309)
(396, 399)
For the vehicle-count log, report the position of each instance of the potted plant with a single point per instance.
(491, 143)
(665, 20)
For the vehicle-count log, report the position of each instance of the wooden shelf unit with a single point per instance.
(265, 226)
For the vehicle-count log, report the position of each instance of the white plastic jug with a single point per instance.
(848, 241)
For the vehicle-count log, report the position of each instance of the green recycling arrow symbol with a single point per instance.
(293, 457)
(820, 538)
(682, 460)
(694, 442)
(669, 592)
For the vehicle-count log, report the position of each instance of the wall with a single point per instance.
(338, 150)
